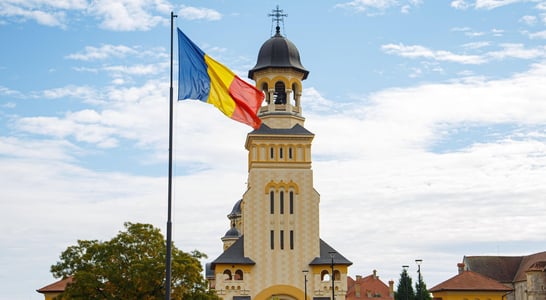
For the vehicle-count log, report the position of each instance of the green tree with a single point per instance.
(422, 291)
(130, 266)
(404, 290)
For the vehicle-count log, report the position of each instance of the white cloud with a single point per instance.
(511, 50)
(123, 15)
(476, 45)
(377, 6)
(86, 93)
(508, 50)
(529, 20)
(416, 51)
(149, 69)
(39, 15)
(491, 4)
(199, 13)
(5, 91)
(44, 12)
(459, 4)
(483, 4)
(102, 52)
(538, 35)
(129, 15)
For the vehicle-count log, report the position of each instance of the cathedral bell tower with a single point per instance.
(275, 234)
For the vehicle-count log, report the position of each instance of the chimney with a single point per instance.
(374, 274)
(460, 267)
(357, 288)
(391, 289)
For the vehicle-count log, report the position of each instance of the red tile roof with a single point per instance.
(371, 287)
(56, 287)
(470, 281)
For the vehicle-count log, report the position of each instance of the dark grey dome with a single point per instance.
(232, 232)
(278, 52)
(236, 210)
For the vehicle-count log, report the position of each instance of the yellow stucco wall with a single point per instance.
(469, 295)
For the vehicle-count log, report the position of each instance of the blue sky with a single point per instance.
(429, 121)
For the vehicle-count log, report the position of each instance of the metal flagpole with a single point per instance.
(169, 204)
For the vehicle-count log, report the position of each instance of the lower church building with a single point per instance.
(273, 249)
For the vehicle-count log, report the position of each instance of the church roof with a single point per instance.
(470, 281)
(296, 130)
(235, 254)
(278, 52)
(326, 259)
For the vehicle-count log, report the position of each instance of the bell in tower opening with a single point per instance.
(279, 74)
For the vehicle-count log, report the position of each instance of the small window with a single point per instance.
(282, 239)
(280, 153)
(292, 239)
(272, 153)
(291, 199)
(271, 202)
(281, 202)
(272, 239)
(290, 153)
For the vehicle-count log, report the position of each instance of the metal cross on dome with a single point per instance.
(278, 16)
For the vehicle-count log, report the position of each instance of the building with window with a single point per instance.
(469, 285)
(369, 287)
(274, 229)
(524, 275)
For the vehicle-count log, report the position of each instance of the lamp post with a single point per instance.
(418, 262)
(305, 283)
(405, 268)
(332, 254)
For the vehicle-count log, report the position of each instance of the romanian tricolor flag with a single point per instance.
(201, 77)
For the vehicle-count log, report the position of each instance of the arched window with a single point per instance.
(337, 275)
(227, 274)
(324, 275)
(294, 92)
(265, 90)
(280, 93)
(239, 275)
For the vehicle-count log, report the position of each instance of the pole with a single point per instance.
(418, 261)
(332, 254)
(305, 283)
(169, 197)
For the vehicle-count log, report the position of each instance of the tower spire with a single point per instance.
(277, 15)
